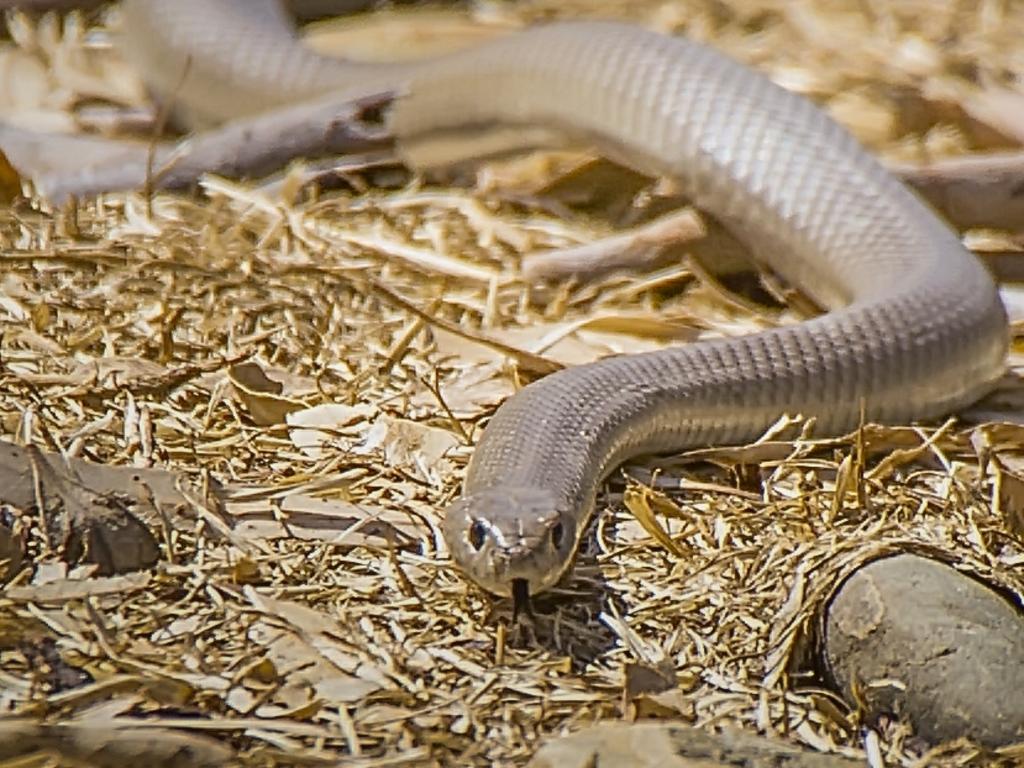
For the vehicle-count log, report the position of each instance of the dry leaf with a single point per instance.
(646, 504)
(320, 426)
(262, 395)
(10, 182)
(303, 517)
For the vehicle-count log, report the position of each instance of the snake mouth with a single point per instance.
(520, 598)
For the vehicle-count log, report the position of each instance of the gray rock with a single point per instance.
(913, 637)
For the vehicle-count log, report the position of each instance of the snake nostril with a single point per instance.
(557, 534)
(477, 533)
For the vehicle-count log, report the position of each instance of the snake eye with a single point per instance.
(477, 534)
(557, 533)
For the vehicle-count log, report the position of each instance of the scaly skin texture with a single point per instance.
(916, 328)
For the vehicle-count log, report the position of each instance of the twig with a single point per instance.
(255, 146)
(630, 248)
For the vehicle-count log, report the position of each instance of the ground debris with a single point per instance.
(79, 523)
(291, 380)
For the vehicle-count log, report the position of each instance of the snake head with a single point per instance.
(499, 535)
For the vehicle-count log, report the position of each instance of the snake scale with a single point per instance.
(915, 329)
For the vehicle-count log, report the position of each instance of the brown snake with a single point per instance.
(916, 327)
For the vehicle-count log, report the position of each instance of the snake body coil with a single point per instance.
(916, 328)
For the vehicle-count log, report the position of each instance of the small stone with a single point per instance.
(912, 637)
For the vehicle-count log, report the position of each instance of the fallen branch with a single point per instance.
(338, 124)
(632, 248)
(302, 10)
(42, 6)
(973, 190)
(970, 191)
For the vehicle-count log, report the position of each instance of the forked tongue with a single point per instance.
(520, 598)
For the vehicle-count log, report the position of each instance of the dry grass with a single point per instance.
(328, 625)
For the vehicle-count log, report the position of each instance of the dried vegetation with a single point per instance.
(316, 368)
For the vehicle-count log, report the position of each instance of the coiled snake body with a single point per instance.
(916, 329)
